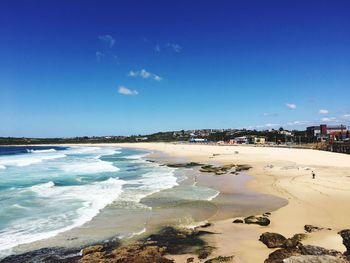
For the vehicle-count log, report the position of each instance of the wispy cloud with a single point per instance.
(346, 116)
(157, 48)
(269, 114)
(144, 74)
(175, 47)
(323, 111)
(329, 119)
(99, 55)
(125, 91)
(297, 123)
(291, 106)
(107, 39)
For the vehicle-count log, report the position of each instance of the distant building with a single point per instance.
(140, 139)
(325, 132)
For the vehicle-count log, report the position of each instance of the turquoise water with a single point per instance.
(47, 191)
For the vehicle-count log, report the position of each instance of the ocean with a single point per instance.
(48, 191)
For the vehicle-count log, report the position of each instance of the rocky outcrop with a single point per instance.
(258, 220)
(345, 234)
(280, 254)
(314, 259)
(178, 241)
(311, 228)
(318, 251)
(205, 252)
(220, 259)
(224, 169)
(135, 253)
(238, 221)
(293, 251)
(275, 240)
(55, 254)
(294, 241)
(184, 165)
(272, 240)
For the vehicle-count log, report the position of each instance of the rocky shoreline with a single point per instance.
(173, 241)
(169, 241)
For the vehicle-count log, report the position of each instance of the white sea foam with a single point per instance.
(25, 160)
(89, 167)
(210, 198)
(136, 156)
(94, 197)
(2, 166)
(42, 151)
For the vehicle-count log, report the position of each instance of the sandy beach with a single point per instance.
(280, 182)
(285, 173)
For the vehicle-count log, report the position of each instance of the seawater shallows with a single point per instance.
(83, 194)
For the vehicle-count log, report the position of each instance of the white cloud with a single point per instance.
(329, 119)
(175, 47)
(144, 74)
(107, 39)
(157, 48)
(323, 111)
(291, 106)
(269, 125)
(346, 116)
(157, 78)
(270, 114)
(125, 91)
(99, 55)
(297, 123)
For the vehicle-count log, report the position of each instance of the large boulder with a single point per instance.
(345, 234)
(280, 254)
(318, 251)
(238, 221)
(294, 241)
(272, 240)
(314, 259)
(259, 220)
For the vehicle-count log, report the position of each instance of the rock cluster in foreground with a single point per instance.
(291, 250)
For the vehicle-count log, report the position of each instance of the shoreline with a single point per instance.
(280, 172)
(285, 173)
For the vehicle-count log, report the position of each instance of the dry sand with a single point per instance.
(286, 173)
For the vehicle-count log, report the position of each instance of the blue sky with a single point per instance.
(70, 68)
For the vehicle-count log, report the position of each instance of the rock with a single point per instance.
(262, 221)
(134, 253)
(294, 241)
(272, 240)
(238, 221)
(55, 254)
(205, 225)
(345, 234)
(242, 167)
(92, 249)
(279, 255)
(311, 228)
(314, 259)
(178, 241)
(219, 259)
(205, 252)
(219, 170)
(318, 251)
(183, 165)
(267, 214)
(189, 260)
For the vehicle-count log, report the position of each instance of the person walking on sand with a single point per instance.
(313, 174)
